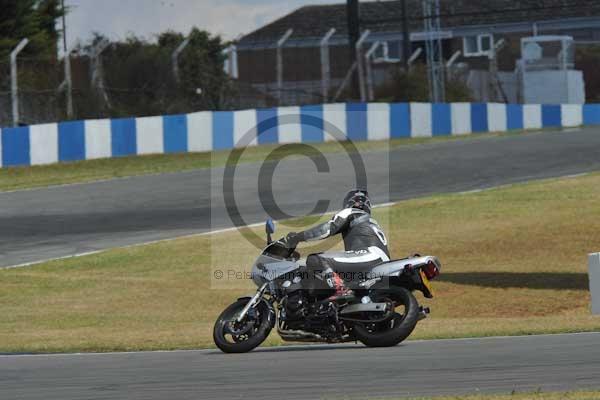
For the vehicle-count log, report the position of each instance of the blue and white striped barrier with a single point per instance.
(221, 130)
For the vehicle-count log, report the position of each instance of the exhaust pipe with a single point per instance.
(423, 312)
(369, 307)
(297, 335)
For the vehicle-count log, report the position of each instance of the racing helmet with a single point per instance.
(358, 198)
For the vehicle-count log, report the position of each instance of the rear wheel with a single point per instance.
(395, 329)
(240, 337)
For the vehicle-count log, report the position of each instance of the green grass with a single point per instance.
(514, 262)
(94, 170)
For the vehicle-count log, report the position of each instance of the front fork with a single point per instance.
(252, 303)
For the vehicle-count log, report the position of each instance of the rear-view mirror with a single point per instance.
(270, 226)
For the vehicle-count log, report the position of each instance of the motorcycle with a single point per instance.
(381, 312)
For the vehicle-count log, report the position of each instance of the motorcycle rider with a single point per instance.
(364, 241)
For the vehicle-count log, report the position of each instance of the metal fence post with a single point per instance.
(234, 62)
(325, 68)
(414, 57)
(231, 64)
(434, 51)
(369, 72)
(69, 84)
(450, 63)
(98, 70)
(280, 44)
(175, 58)
(359, 64)
(594, 277)
(14, 82)
(345, 82)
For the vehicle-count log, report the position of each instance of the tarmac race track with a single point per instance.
(421, 368)
(60, 221)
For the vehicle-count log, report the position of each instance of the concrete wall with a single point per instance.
(208, 131)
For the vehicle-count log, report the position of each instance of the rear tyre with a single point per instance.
(233, 337)
(396, 329)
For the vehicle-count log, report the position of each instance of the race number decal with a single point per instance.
(380, 234)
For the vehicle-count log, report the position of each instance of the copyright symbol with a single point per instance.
(218, 274)
(267, 170)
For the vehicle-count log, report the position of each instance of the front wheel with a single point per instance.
(240, 337)
(397, 328)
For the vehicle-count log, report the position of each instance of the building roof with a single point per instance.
(386, 16)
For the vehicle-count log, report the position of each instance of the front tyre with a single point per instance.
(240, 337)
(396, 329)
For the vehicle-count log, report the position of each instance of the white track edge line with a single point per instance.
(324, 346)
(225, 230)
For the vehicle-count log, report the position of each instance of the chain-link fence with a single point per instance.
(125, 79)
(39, 99)
(5, 95)
(131, 79)
(311, 73)
(137, 79)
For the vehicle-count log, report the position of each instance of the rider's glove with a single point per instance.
(292, 239)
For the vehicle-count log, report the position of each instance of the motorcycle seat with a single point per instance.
(358, 269)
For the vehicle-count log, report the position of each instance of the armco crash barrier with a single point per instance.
(207, 131)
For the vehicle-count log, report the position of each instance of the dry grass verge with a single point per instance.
(514, 263)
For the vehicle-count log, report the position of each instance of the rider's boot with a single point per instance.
(342, 292)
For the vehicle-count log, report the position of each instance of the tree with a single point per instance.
(140, 81)
(170, 39)
(138, 77)
(32, 19)
(201, 66)
(413, 86)
(38, 64)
